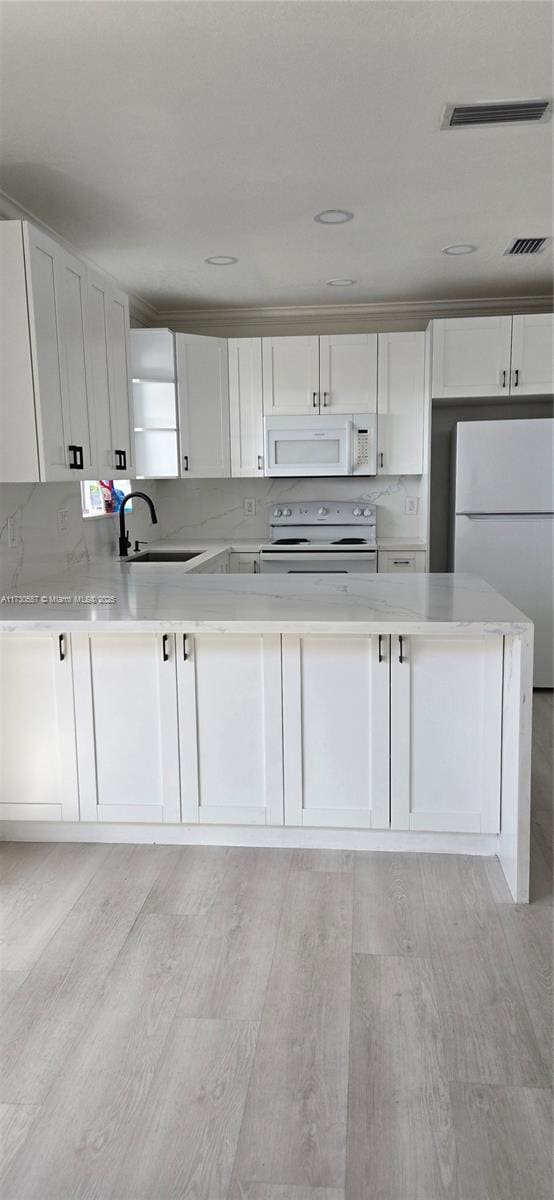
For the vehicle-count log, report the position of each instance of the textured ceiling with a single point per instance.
(152, 135)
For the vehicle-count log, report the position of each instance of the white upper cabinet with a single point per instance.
(203, 398)
(348, 373)
(72, 305)
(336, 731)
(327, 374)
(230, 728)
(246, 407)
(401, 403)
(290, 375)
(439, 764)
(107, 315)
(532, 355)
(471, 357)
(120, 383)
(64, 357)
(493, 356)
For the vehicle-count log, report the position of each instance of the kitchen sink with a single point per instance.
(165, 556)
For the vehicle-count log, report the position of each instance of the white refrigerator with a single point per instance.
(504, 519)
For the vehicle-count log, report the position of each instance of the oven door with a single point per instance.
(318, 562)
(308, 446)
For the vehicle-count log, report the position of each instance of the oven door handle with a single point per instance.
(338, 556)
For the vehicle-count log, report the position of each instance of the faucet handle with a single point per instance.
(138, 544)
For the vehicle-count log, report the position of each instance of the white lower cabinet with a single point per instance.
(38, 761)
(241, 563)
(446, 733)
(344, 732)
(394, 562)
(230, 728)
(336, 731)
(126, 710)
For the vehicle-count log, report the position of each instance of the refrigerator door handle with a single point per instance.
(505, 516)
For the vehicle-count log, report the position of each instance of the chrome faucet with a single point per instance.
(124, 542)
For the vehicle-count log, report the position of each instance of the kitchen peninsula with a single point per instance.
(365, 712)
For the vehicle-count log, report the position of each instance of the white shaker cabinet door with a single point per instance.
(120, 384)
(230, 728)
(532, 355)
(72, 304)
(126, 705)
(348, 373)
(401, 403)
(38, 762)
(471, 357)
(290, 375)
(336, 731)
(246, 407)
(203, 388)
(51, 399)
(446, 713)
(98, 373)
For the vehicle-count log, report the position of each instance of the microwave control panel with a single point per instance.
(364, 459)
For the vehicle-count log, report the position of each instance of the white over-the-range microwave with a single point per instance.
(321, 445)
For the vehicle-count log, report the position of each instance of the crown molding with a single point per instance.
(11, 210)
(336, 317)
(290, 319)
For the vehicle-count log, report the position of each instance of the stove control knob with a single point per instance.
(368, 512)
(287, 512)
(321, 512)
(356, 512)
(277, 512)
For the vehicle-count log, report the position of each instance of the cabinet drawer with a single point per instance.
(406, 560)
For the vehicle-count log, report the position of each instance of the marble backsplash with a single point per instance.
(214, 508)
(201, 508)
(41, 550)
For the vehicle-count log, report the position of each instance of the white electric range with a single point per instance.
(319, 536)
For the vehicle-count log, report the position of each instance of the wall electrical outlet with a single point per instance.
(250, 507)
(411, 504)
(12, 533)
(63, 518)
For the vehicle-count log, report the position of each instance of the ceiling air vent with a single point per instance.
(508, 112)
(529, 245)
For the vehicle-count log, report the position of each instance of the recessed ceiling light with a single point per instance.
(463, 248)
(334, 216)
(221, 260)
(340, 282)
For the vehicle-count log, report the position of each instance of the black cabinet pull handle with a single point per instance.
(186, 461)
(260, 462)
(77, 460)
(381, 459)
(400, 648)
(61, 645)
(325, 399)
(315, 401)
(165, 654)
(185, 655)
(120, 460)
(380, 648)
(516, 377)
(503, 379)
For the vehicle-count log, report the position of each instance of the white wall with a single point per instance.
(41, 551)
(214, 508)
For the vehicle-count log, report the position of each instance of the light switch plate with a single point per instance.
(411, 504)
(250, 507)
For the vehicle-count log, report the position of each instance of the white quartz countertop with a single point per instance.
(117, 597)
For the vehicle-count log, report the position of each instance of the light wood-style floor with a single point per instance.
(227, 1024)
